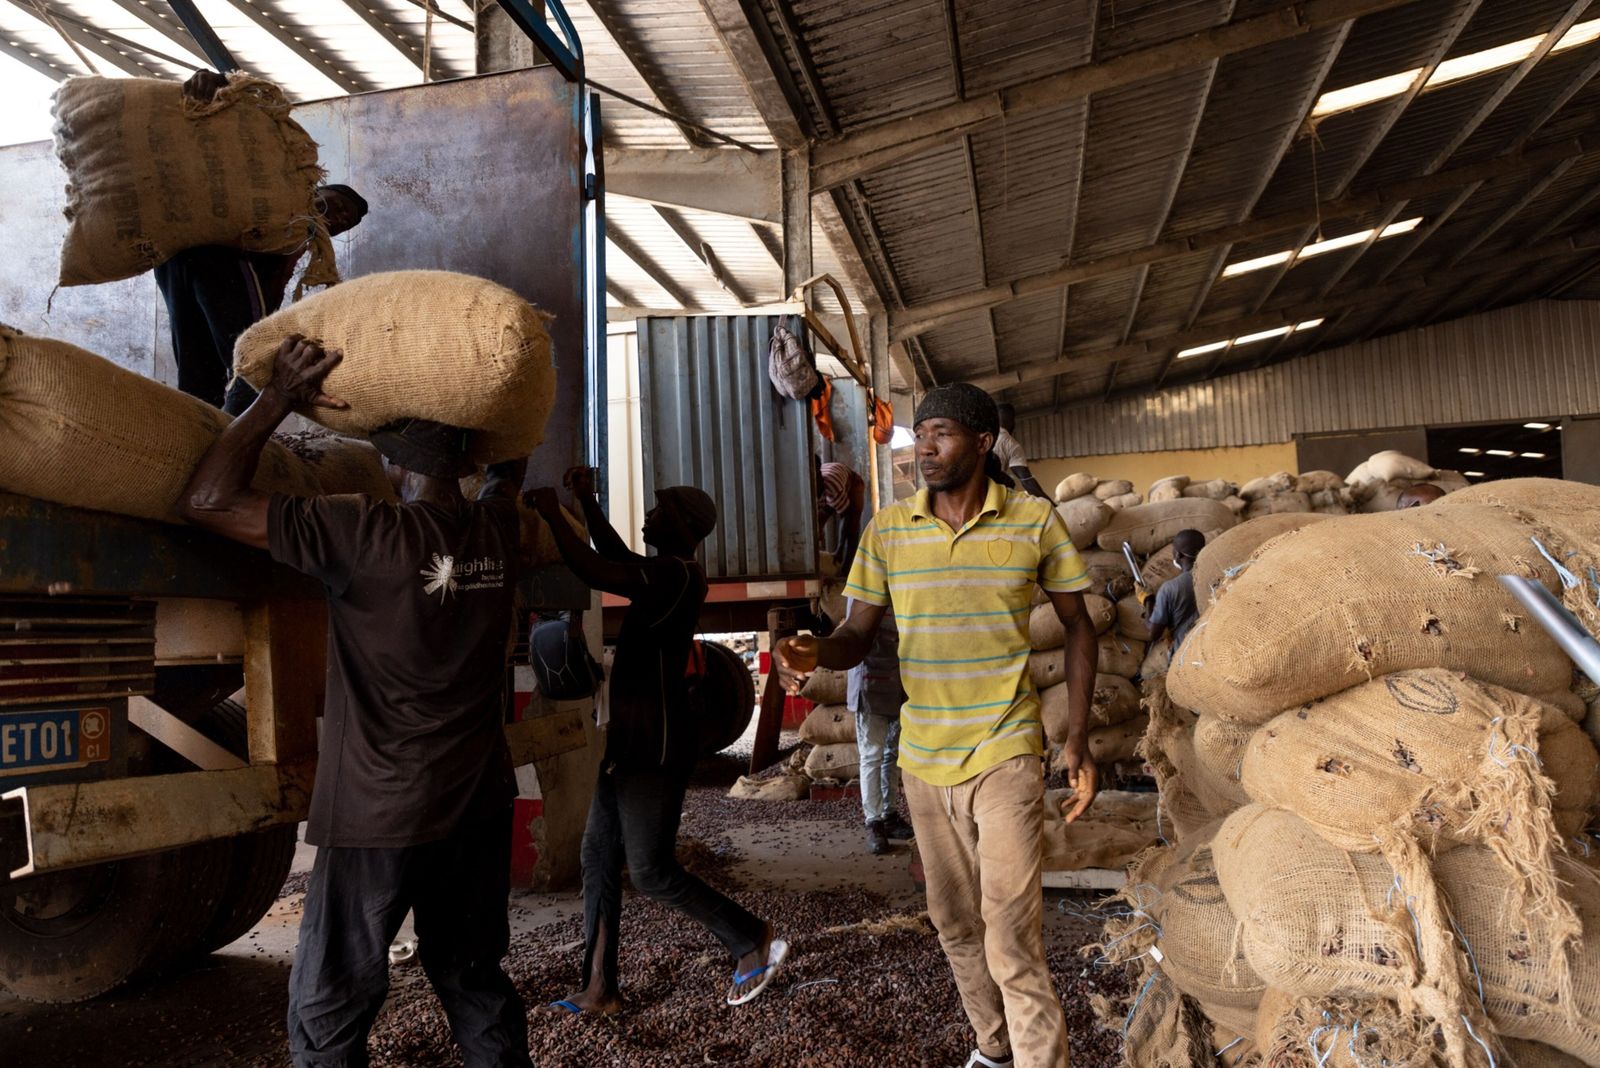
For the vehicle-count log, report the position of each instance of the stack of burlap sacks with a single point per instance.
(1376, 789)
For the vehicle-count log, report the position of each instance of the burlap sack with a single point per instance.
(1127, 500)
(1316, 922)
(1216, 489)
(1159, 568)
(1431, 755)
(1148, 527)
(340, 464)
(1278, 504)
(1360, 475)
(1119, 655)
(825, 686)
(1045, 630)
(1231, 1049)
(828, 725)
(151, 173)
(1338, 603)
(1107, 745)
(1296, 1032)
(839, 762)
(1267, 486)
(1449, 481)
(79, 430)
(1085, 518)
(1075, 485)
(1157, 657)
(1390, 465)
(1232, 548)
(1197, 934)
(422, 345)
(1219, 749)
(536, 541)
(1104, 567)
(1168, 489)
(1161, 1028)
(1329, 502)
(1538, 1055)
(1318, 481)
(1089, 843)
(1236, 504)
(1378, 497)
(1131, 621)
(785, 787)
(1115, 700)
(1113, 487)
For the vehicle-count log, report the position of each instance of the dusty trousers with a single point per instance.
(980, 846)
(358, 898)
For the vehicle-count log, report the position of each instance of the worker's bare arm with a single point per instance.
(1080, 655)
(596, 571)
(219, 496)
(1026, 480)
(607, 542)
(846, 647)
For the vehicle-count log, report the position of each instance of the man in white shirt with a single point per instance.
(1010, 453)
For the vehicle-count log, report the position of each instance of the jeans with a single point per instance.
(213, 295)
(878, 742)
(458, 888)
(981, 851)
(634, 819)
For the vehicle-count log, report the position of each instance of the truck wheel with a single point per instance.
(260, 861)
(730, 699)
(71, 935)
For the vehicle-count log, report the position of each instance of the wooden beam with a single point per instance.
(650, 267)
(917, 319)
(769, 241)
(861, 151)
(743, 42)
(349, 81)
(1291, 312)
(744, 185)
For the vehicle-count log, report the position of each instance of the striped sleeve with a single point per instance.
(1061, 569)
(869, 574)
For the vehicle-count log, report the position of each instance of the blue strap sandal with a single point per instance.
(777, 951)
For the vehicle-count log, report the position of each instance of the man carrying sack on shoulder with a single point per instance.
(961, 562)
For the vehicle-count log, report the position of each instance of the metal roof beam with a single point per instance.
(349, 81)
(34, 61)
(743, 42)
(651, 268)
(89, 39)
(702, 252)
(1294, 311)
(745, 185)
(168, 27)
(920, 318)
(862, 151)
(654, 80)
(408, 48)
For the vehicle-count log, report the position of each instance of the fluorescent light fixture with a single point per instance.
(1201, 350)
(1471, 452)
(1500, 452)
(1536, 426)
(1473, 474)
(1533, 456)
(1317, 248)
(1262, 335)
(1451, 70)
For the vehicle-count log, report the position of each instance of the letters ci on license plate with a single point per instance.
(58, 738)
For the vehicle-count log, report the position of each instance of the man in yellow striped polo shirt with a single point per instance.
(961, 562)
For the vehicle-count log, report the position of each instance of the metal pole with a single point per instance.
(204, 35)
(1559, 623)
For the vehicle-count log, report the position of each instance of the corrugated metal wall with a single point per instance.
(1527, 361)
(711, 419)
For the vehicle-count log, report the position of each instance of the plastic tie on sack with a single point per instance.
(1472, 958)
(1321, 1056)
(1230, 1045)
(1416, 921)
(1126, 1023)
(1446, 564)
(1487, 1052)
(1568, 579)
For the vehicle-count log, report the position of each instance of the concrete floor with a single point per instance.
(229, 1009)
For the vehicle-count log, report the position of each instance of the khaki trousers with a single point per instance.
(980, 846)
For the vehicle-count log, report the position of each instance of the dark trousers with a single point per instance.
(213, 295)
(634, 818)
(458, 888)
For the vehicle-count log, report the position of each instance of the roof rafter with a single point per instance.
(653, 270)
(349, 81)
(919, 318)
(91, 40)
(1296, 309)
(702, 252)
(850, 155)
(408, 47)
(33, 60)
(166, 25)
(654, 80)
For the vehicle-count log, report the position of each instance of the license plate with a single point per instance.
(58, 738)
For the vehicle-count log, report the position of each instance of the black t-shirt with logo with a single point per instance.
(420, 604)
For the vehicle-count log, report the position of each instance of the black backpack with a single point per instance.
(560, 658)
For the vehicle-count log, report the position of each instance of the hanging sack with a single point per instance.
(792, 369)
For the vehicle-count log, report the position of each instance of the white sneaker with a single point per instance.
(978, 1060)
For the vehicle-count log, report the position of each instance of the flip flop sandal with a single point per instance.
(567, 1006)
(776, 952)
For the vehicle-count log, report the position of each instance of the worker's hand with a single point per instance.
(795, 658)
(1082, 776)
(543, 499)
(1142, 593)
(203, 85)
(299, 369)
(579, 480)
